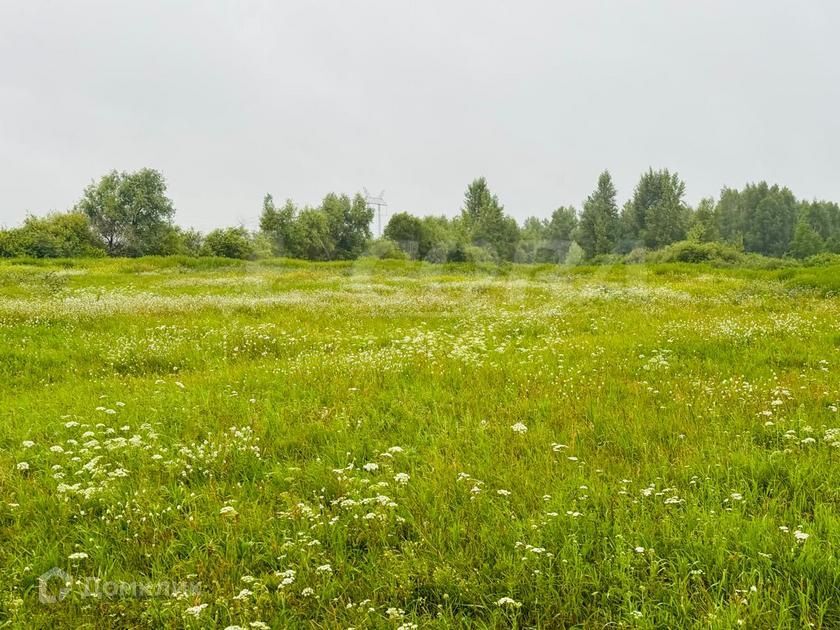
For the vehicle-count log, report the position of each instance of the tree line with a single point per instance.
(130, 214)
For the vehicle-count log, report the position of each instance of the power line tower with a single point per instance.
(377, 203)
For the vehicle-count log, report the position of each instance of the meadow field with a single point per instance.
(199, 444)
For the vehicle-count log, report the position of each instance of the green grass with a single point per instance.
(679, 434)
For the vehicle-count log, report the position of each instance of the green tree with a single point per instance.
(406, 231)
(729, 217)
(277, 224)
(532, 241)
(656, 215)
(484, 222)
(562, 225)
(436, 238)
(130, 211)
(313, 239)
(349, 224)
(704, 227)
(806, 241)
(599, 223)
(769, 219)
(232, 242)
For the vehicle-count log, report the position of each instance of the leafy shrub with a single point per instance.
(229, 243)
(692, 252)
(636, 256)
(58, 235)
(822, 260)
(385, 248)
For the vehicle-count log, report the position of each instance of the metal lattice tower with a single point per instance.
(377, 203)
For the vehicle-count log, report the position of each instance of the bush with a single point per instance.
(822, 260)
(58, 235)
(637, 256)
(385, 248)
(693, 252)
(229, 243)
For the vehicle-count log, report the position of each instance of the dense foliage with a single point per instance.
(129, 214)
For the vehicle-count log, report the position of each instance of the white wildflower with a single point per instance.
(195, 611)
(243, 594)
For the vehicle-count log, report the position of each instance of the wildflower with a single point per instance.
(736, 496)
(79, 555)
(395, 613)
(23, 466)
(519, 428)
(195, 611)
(504, 493)
(371, 467)
(639, 550)
(395, 449)
(244, 594)
(260, 625)
(56, 448)
(402, 478)
(228, 510)
(324, 568)
(800, 535)
(508, 602)
(27, 444)
(307, 592)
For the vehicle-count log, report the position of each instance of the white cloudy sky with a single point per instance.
(231, 100)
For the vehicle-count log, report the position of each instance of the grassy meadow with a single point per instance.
(403, 445)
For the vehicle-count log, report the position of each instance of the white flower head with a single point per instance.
(195, 611)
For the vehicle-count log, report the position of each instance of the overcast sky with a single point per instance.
(231, 100)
